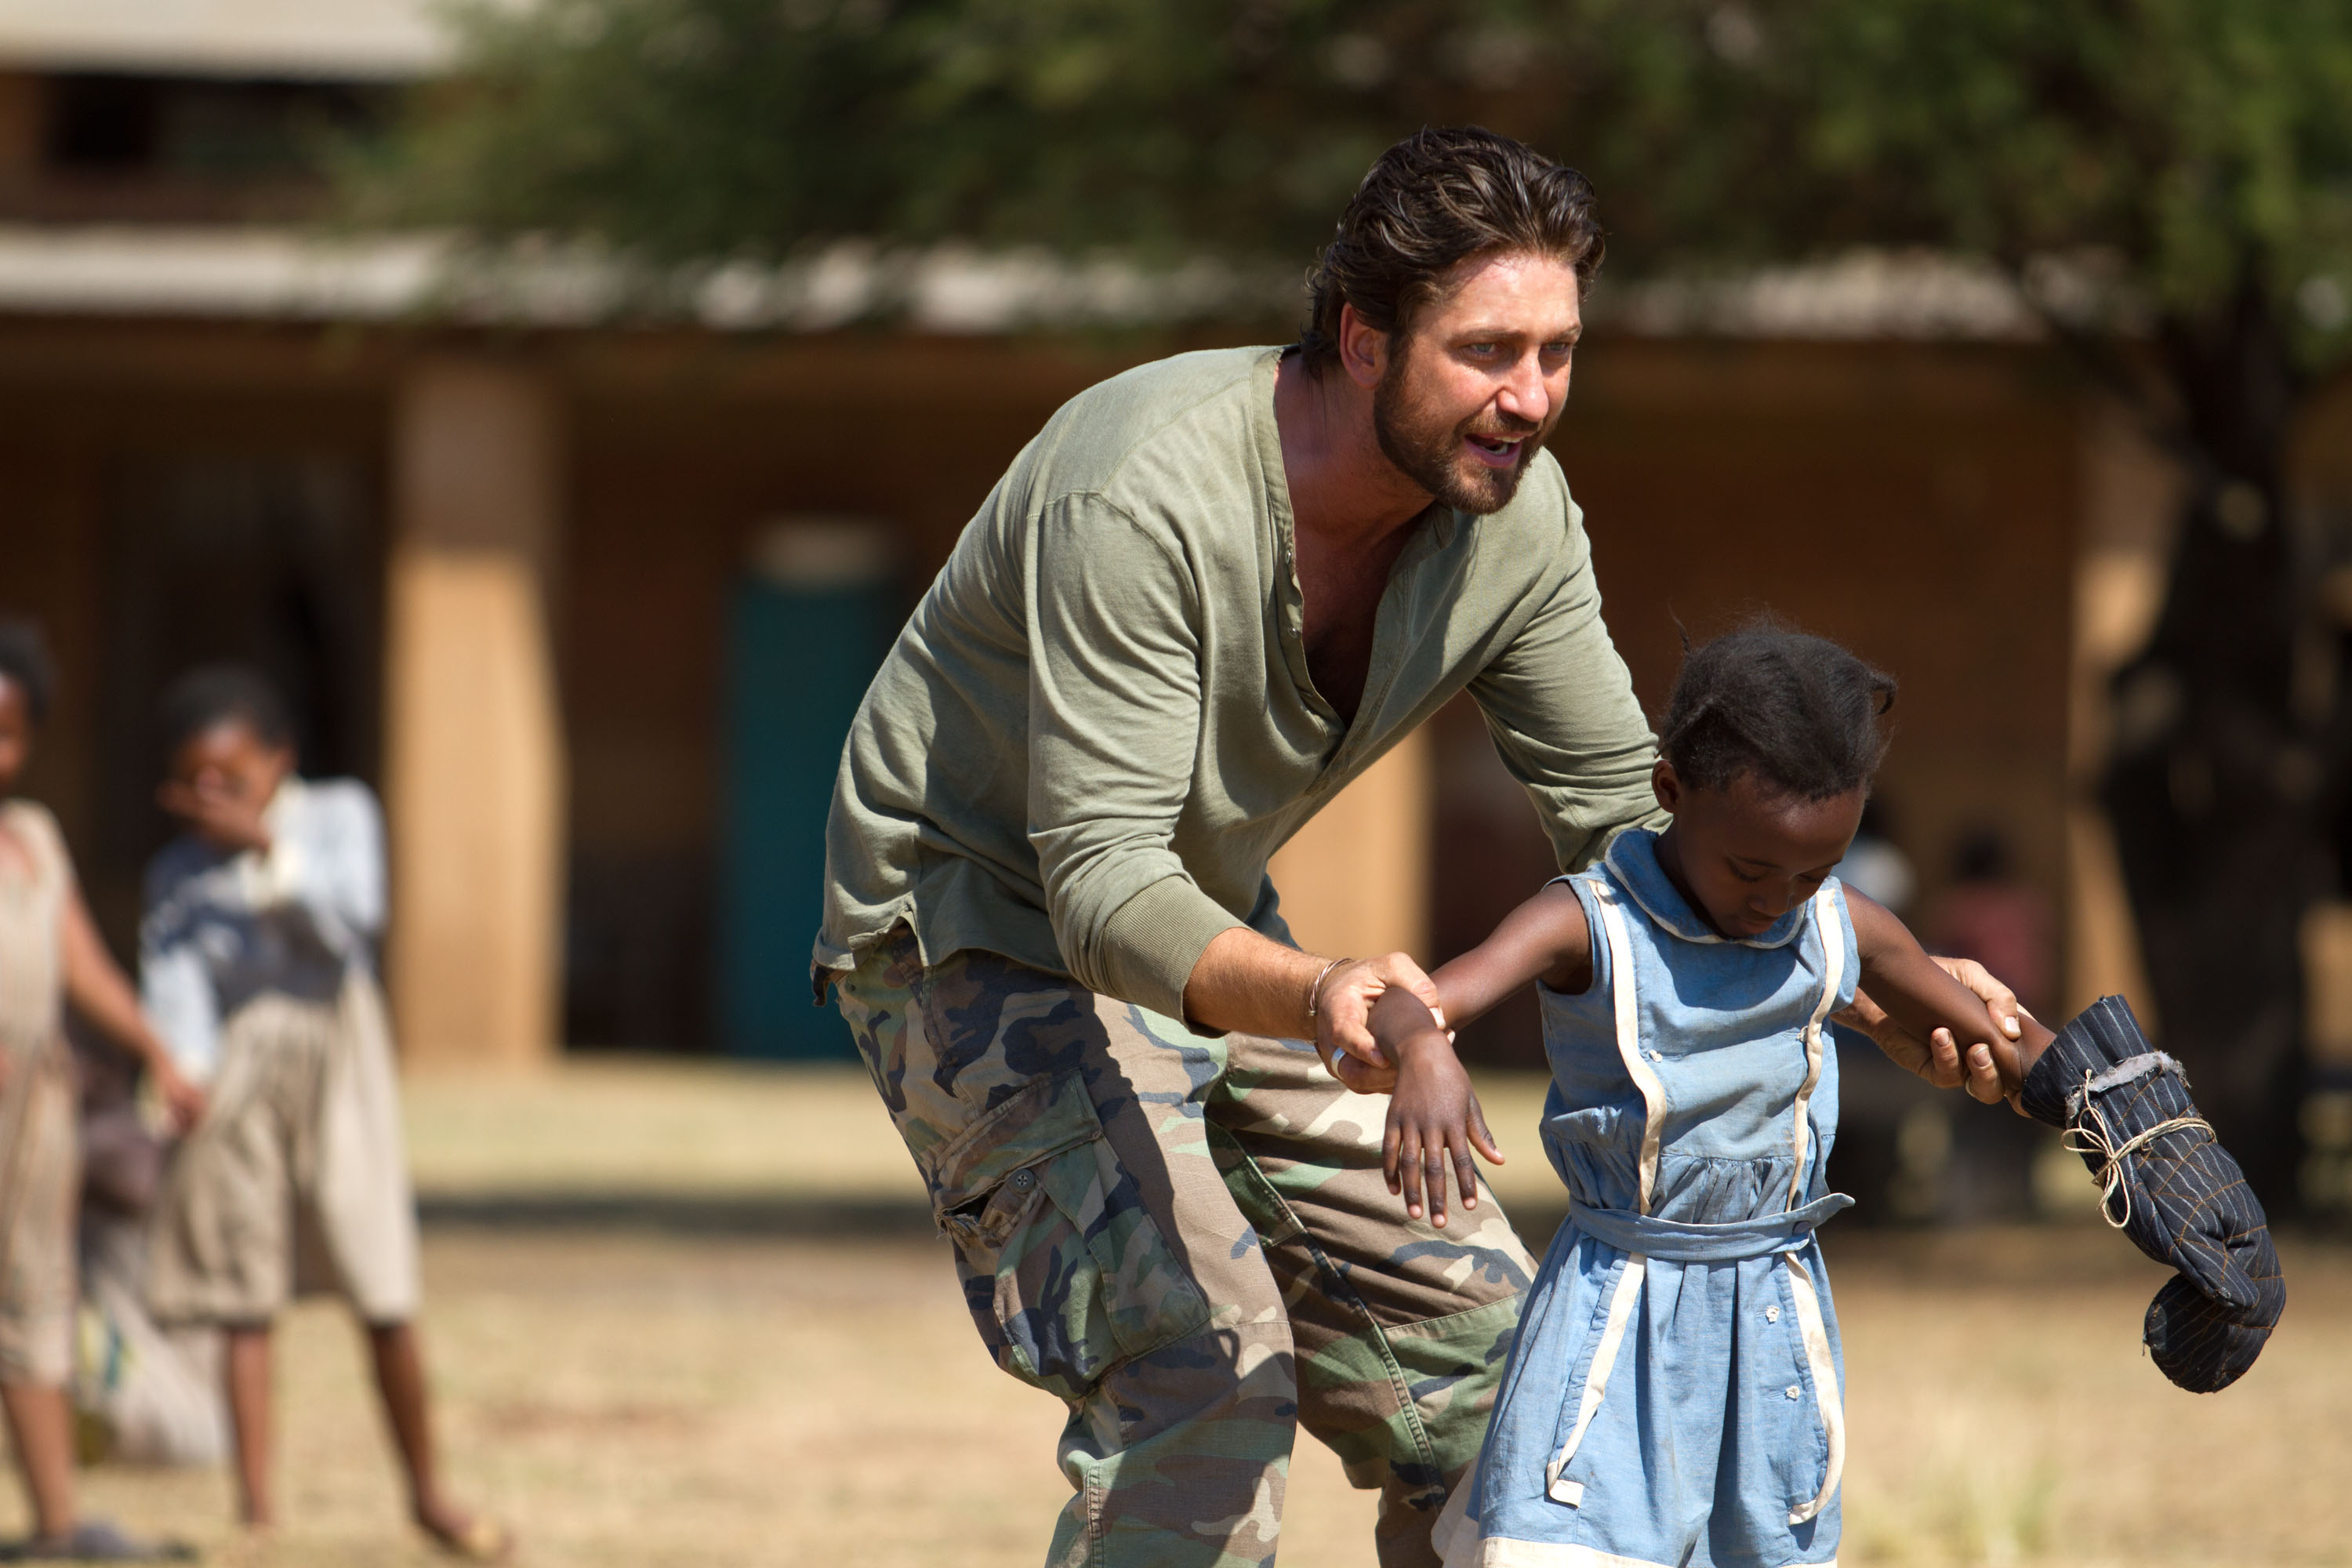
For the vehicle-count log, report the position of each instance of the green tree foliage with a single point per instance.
(2193, 140)
(2168, 180)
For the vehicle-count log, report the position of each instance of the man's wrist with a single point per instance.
(1315, 989)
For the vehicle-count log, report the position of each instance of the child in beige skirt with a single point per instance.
(257, 957)
(50, 954)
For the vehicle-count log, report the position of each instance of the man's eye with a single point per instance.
(1482, 349)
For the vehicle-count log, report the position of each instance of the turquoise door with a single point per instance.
(807, 629)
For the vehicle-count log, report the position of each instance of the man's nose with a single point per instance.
(1525, 395)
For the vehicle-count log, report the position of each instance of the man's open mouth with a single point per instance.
(1495, 451)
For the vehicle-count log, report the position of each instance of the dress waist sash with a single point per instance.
(1675, 1241)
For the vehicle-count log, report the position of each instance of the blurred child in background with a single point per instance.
(258, 956)
(143, 1394)
(50, 954)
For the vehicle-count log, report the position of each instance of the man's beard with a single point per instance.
(1428, 452)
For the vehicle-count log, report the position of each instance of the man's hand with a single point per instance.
(1938, 1058)
(1343, 1011)
(229, 820)
(1435, 1119)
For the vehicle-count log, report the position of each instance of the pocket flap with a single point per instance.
(1040, 1119)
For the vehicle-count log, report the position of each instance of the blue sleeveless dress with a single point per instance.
(1676, 1394)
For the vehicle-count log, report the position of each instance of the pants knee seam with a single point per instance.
(1340, 1289)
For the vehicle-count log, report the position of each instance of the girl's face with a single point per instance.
(1745, 854)
(15, 733)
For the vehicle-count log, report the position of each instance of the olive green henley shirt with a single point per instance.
(1098, 724)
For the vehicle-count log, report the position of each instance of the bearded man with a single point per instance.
(1211, 591)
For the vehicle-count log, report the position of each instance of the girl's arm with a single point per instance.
(1545, 939)
(1918, 994)
(1435, 1119)
(98, 989)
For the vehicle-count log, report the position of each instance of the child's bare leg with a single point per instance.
(40, 1421)
(247, 1364)
(400, 1380)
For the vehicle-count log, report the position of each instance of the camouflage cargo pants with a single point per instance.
(1190, 1242)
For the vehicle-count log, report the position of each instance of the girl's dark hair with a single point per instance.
(1434, 200)
(24, 660)
(1798, 712)
(216, 694)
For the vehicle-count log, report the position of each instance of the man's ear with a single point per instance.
(1363, 349)
(1667, 785)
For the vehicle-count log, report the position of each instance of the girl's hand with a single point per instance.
(1434, 1121)
(185, 1100)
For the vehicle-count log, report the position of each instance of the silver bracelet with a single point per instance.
(1315, 986)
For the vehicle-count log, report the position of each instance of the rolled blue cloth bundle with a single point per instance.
(2165, 1182)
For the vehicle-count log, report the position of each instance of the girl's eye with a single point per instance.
(1747, 876)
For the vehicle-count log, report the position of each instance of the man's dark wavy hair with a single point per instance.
(1800, 712)
(1431, 202)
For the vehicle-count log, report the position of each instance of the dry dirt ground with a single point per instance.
(714, 1378)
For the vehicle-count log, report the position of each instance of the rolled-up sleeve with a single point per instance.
(1115, 706)
(1560, 705)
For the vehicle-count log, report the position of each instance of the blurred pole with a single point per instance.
(474, 742)
(2130, 502)
(1355, 882)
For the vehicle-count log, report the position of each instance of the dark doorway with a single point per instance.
(273, 560)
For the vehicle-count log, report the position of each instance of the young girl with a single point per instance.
(1674, 1393)
(50, 954)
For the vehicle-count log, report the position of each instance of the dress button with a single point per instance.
(1795, 1393)
(1024, 1180)
(1657, 1055)
(1771, 1315)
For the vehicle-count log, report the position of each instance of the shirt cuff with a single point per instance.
(1152, 943)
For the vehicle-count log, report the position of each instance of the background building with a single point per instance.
(591, 599)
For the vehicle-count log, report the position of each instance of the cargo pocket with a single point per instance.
(1066, 1273)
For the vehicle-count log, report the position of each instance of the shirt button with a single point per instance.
(1024, 1180)
(1657, 1055)
(1795, 1393)
(1771, 1315)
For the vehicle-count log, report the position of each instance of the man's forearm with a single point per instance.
(1251, 985)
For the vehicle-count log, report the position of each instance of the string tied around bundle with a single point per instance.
(2087, 1131)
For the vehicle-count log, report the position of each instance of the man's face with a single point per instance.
(1477, 380)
